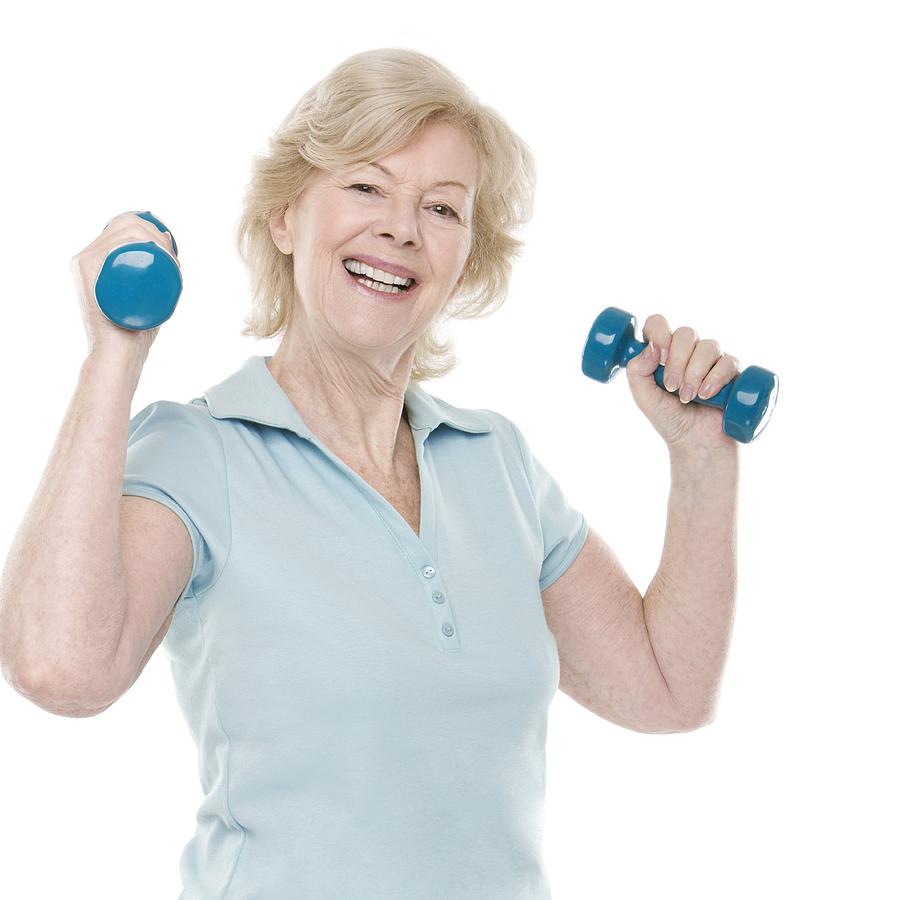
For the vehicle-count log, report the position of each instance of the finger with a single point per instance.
(681, 347)
(656, 329)
(705, 356)
(141, 231)
(721, 373)
(131, 220)
(125, 217)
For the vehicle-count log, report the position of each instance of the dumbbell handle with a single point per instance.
(719, 400)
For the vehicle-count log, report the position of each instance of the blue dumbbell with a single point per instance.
(746, 401)
(139, 284)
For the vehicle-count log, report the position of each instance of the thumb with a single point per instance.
(645, 363)
(639, 372)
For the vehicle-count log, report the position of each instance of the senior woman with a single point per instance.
(376, 593)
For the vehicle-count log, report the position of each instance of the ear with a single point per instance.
(281, 232)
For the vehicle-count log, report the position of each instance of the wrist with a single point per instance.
(116, 363)
(686, 455)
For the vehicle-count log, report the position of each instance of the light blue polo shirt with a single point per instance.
(369, 705)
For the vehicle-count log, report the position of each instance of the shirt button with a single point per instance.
(438, 597)
(429, 571)
(447, 629)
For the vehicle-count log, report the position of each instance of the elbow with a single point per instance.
(677, 726)
(69, 709)
(699, 722)
(670, 729)
(696, 726)
(48, 696)
(686, 718)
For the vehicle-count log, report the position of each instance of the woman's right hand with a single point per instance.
(102, 334)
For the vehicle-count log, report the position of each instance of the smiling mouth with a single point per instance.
(379, 287)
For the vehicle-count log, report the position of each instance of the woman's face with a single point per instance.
(405, 219)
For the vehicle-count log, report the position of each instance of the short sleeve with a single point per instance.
(563, 528)
(175, 456)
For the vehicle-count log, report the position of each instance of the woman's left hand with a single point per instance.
(691, 366)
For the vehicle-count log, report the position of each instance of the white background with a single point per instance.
(733, 166)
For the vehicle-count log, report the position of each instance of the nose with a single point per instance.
(400, 221)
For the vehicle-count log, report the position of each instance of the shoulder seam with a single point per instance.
(215, 428)
(515, 434)
(212, 424)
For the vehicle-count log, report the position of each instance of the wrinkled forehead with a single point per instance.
(440, 182)
(441, 156)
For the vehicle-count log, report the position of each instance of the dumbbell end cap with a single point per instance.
(750, 404)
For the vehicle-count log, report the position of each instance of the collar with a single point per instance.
(252, 393)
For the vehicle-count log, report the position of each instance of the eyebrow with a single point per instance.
(436, 184)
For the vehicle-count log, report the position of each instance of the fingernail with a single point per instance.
(663, 355)
(703, 393)
(687, 393)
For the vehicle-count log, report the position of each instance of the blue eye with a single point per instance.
(453, 213)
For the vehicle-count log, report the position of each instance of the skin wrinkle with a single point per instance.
(345, 359)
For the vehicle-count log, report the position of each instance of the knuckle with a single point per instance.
(685, 331)
(656, 322)
(696, 368)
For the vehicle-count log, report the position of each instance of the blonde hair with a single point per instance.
(373, 104)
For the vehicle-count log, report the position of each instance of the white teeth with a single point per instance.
(381, 288)
(360, 268)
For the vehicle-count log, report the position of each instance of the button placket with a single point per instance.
(440, 608)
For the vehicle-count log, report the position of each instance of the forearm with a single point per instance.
(62, 588)
(689, 604)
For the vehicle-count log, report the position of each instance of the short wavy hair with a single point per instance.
(373, 104)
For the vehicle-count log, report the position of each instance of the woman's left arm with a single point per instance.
(689, 604)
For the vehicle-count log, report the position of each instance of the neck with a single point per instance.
(358, 412)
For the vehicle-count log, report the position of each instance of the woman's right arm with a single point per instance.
(64, 591)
